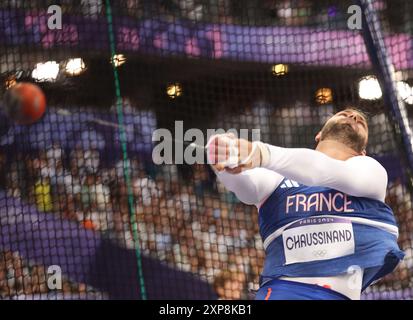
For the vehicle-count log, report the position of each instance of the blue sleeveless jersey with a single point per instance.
(320, 232)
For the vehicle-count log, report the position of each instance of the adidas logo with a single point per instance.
(289, 184)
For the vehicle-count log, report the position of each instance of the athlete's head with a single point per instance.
(348, 127)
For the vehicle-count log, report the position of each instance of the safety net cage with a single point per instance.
(86, 212)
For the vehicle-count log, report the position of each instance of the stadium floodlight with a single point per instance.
(118, 60)
(10, 82)
(369, 88)
(324, 96)
(279, 69)
(405, 91)
(46, 71)
(174, 90)
(75, 66)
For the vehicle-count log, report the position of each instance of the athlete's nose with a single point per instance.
(354, 116)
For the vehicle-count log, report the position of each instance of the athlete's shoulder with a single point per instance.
(368, 165)
(363, 158)
(366, 162)
(373, 173)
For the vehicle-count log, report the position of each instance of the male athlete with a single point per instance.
(326, 230)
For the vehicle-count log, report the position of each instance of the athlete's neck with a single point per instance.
(336, 150)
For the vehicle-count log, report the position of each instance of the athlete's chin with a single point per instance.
(347, 125)
(345, 133)
(353, 126)
(340, 130)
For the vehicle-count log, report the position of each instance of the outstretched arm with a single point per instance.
(251, 186)
(359, 176)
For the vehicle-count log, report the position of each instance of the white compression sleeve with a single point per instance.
(251, 186)
(359, 176)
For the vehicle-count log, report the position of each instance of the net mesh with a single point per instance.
(81, 199)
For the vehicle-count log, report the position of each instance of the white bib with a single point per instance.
(318, 238)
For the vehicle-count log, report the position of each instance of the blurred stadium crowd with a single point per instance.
(184, 217)
(322, 13)
(217, 11)
(190, 226)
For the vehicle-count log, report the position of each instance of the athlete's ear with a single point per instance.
(318, 137)
(364, 152)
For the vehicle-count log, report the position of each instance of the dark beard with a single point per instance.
(344, 133)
